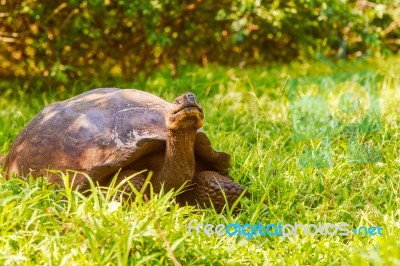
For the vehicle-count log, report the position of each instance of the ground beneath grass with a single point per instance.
(248, 114)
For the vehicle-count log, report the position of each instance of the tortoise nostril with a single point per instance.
(191, 98)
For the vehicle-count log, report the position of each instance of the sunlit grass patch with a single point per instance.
(247, 115)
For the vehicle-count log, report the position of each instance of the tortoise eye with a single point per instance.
(178, 101)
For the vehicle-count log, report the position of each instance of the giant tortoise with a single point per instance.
(105, 131)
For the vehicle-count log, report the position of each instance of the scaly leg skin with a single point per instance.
(137, 181)
(208, 184)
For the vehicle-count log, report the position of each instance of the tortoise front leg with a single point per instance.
(209, 185)
(137, 181)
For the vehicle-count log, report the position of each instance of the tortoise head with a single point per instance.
(185, 113)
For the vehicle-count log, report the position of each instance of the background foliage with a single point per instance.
(62, 40)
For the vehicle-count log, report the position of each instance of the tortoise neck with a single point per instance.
(179, 164)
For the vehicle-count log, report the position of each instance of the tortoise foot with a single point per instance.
(208, 185)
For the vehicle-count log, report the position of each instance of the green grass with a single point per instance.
(246, 115)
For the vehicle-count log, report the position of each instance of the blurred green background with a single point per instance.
(60, 41)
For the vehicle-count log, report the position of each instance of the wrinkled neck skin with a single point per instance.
(179, 161)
